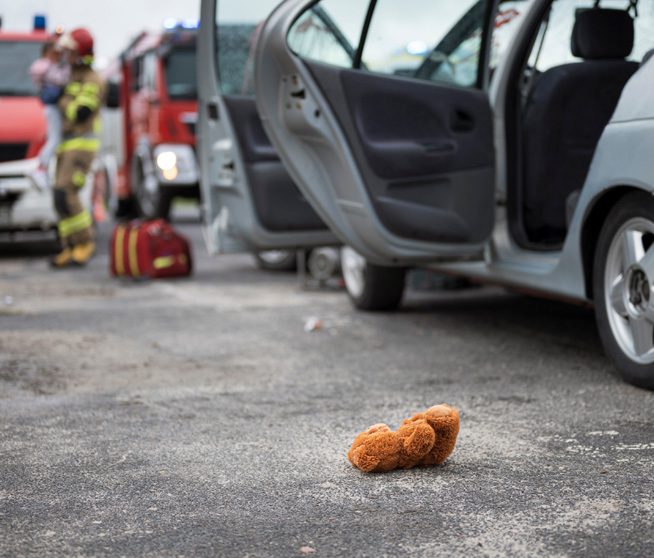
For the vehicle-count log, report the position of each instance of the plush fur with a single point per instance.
(425, 439)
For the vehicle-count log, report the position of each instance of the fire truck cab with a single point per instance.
(159, 102)
(23, 207)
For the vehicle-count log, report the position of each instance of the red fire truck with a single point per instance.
(158, 97)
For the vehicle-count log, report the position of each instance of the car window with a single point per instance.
(405, 35)
(317, 36)
(552, 47)
(237, 30)
(433, 40)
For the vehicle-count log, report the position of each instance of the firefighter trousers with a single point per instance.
(73, 165)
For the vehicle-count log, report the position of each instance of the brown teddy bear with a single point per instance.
(425, 439)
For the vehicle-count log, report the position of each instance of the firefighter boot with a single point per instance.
(62, 259)
(82, 253)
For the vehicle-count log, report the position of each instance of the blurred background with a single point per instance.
(112, 24)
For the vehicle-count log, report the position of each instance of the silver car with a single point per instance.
(509, 142)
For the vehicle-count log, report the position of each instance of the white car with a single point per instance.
(522, 158)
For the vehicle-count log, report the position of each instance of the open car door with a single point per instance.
(395, 146)
(250, 203)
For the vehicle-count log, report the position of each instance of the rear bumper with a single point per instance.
(22, 205)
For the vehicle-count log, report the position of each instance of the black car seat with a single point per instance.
(567, 109)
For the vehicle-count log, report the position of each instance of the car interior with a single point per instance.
(278, 203)
(565, 110)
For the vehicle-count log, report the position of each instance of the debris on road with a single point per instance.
(313, 324)
(307, 550)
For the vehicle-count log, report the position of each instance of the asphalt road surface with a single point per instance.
(198, 418)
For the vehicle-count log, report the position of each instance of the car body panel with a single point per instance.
(229, 172)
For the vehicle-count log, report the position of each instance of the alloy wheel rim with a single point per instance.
(354, 265)
(628, 289)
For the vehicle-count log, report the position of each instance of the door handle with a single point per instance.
(462, 121)
(212, 111)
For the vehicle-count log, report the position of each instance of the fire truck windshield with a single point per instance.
(181, 75)
(16, 57)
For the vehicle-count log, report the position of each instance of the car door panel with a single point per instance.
(425, 151)
(250, 202)
(278, 203)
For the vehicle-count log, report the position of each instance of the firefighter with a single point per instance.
(80, 106)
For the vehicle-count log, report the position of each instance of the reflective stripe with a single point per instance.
(79, 179)
(120, 255)
(73, 88)
(90, 101)
(79, 144)
(75, 224)
(91, 88)
(133, 255)
(164, 262)
(71, 110)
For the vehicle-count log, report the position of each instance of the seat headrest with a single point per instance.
(602, 34)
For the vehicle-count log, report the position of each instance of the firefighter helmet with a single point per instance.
(79, 40)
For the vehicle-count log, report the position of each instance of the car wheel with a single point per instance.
(623, 279)
(276, 260)
(371, 287)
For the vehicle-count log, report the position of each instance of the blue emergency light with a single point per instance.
(40, 23)
(171, 24)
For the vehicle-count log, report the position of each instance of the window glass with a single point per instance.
(181, 73)
(405, 37)
(552, 46)
(329, 32)
(15, 59)
(435, 40)
(238, 25)
(150, 71)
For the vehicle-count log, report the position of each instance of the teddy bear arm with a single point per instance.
(363, 460)
(366, 434)
(420, 442)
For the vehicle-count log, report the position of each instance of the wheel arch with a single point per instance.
(592, 226)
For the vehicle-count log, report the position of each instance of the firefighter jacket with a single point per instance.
(80, 105)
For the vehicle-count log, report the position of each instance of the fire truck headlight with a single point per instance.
(167, 162)
(176, 163)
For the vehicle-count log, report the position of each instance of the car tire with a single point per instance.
(622, 290)
(370, 287)
(276, 260)
(153, 202)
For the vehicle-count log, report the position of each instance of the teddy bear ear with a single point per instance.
(380, 427)
(442, 411)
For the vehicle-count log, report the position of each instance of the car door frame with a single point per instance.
(343, 201)
(231, 222)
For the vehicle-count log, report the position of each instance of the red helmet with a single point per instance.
(80, 40)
